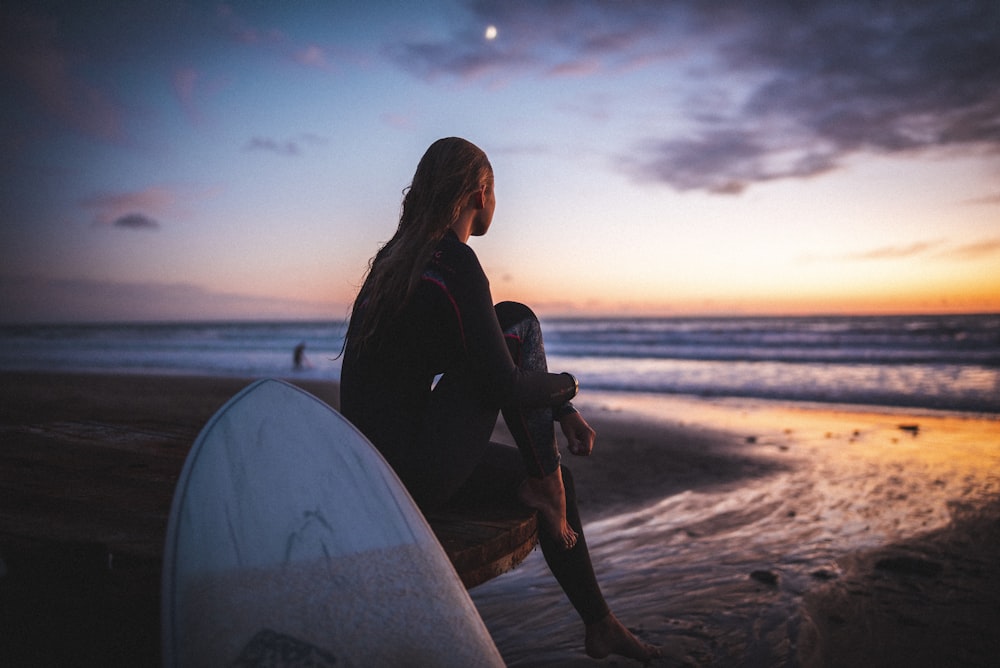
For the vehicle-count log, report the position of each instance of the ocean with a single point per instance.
(939, 362)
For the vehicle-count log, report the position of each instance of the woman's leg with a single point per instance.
(533, 429)
(457, 426)
(452, 441)
(502, 470)
(499, 474)
(534, 433)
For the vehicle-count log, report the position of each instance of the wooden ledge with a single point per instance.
(483, 543)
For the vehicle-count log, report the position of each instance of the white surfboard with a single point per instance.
(291, 542)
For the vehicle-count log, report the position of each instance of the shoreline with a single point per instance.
(307, 377)
(815, 535)
(676, 485)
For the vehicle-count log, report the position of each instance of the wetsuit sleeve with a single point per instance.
(487, 352)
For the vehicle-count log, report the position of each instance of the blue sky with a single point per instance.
(199, 160)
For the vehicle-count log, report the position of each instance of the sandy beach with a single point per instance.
(731, 533)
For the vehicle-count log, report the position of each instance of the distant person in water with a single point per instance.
(425, 310)
(299, 360)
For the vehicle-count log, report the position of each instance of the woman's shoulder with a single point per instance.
(454, 257)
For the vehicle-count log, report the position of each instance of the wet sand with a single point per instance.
(781, 536)
(731, 533)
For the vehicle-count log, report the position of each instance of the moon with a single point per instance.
(491, 32)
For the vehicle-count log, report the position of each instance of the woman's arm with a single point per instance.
(486, 349)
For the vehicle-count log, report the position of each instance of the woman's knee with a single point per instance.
(511, 313)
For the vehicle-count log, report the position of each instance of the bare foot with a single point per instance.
(609, 636)
(548, 496)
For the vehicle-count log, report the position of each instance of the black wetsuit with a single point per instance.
(449, 327)
(437, 437)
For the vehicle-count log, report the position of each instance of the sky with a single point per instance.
(183, 160)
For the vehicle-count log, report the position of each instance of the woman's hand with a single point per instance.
(579, 436)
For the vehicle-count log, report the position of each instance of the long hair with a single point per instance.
(449, 171)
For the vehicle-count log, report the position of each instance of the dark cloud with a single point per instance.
(136, 221)
(273, 146)
(889, 77)
(121, 209)
(842, 79)
(314, 139)
(287, 147)
(727, 161)
(818, 82)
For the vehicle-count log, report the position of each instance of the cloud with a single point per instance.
(270, 40)
(551, 38)
(521, 149)
(398, 121)
(136, 221)
(286, 147)
(974, 251)
(939, 249)
(841, 79)
(977, 250)
(112, 208)
(312, 56)
(985, 200)
(726, 162)
(235, 27)
(576, 68)
(49, 74)
(894, 252)
(142, 209)
(272, 146)
(190, 87)
(314, 139)
(798, 87)
(184, 83)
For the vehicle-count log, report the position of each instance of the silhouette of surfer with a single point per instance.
(299, 360)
